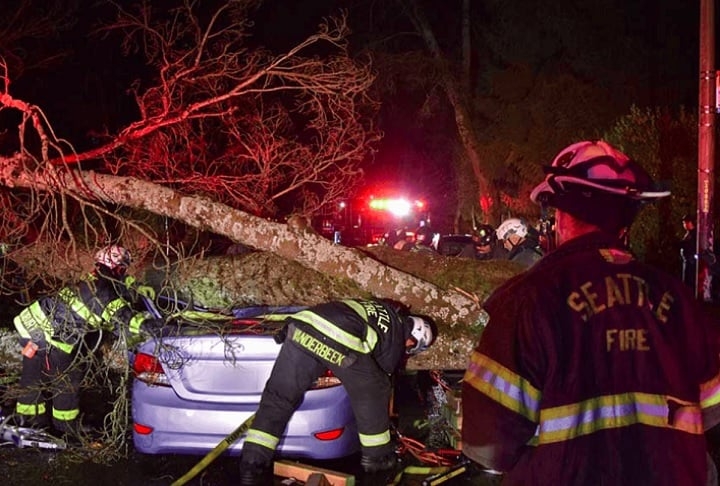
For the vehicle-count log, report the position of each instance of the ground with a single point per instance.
(77, 467)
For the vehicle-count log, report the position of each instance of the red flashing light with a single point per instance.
(329, 434)
(398, 207)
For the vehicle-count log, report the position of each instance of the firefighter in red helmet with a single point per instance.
(608, 372)
(52, 330)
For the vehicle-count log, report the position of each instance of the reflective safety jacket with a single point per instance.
(350, 327)
(63, 319)
(594, 369)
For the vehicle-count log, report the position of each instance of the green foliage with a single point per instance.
(665, 144)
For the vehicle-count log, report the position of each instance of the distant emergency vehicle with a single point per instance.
(365, 220)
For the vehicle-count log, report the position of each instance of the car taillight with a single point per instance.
(329, 434)
(326, 380)
(147, 368)
(142, 429)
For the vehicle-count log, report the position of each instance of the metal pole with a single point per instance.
(706, 147)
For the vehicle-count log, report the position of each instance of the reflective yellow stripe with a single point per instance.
(33, 317)
(64, 347)
(710, 392)
(615, 411)
(66, 415)
(262, 439)
(79, 307)
(375, 440)
(333, 332)
(30, 409)
(112, 308)
(355, 306)
(502, 385)
(135, 322)
(371, 337)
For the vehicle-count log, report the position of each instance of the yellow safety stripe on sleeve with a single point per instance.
(375, 440)
(563, 423)
(65, 415)
(79, 307)
(335, 333)
(710, 392)
(111, 309)
(502, 385)
(371, 336)
(129, 280)
(30, 409)
(262, 439)
(135, 322)
(64, 347)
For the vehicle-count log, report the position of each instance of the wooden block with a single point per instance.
(317, 479)
(302, 472)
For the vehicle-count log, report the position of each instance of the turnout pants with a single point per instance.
(49, 374)
(295, 370)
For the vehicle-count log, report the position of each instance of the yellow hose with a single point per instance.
(213, 454)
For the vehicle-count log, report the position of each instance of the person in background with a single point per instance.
(546, 232)
(688, 248)
(362, 342)
(51, 333)
(423, 240)
(520, 243)
(485, 244)
(608, 373)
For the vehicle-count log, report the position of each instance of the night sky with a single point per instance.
(643, 52)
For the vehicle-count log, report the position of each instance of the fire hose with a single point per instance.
(213, 454)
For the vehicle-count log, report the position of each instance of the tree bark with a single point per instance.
(296, 243)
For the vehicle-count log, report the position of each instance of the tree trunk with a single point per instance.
(293, 242)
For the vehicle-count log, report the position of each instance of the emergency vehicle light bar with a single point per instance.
(397, 207)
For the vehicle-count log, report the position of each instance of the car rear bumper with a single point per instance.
(186, 427)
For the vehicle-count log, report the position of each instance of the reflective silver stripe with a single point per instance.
(333, 332)
(262, 439)
(79, 307)
(375, 440)
(615, 411)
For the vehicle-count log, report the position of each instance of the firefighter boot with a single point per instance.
(373, 464)
(255, 474)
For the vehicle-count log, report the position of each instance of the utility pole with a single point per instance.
(706, 147)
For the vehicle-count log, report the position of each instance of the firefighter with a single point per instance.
(51, 332)
(519, 241)
(362, 342)
(607, 372)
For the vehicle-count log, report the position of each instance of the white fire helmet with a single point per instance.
(511, 226)
(113, 257)
(595, 166)
(422, 334)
